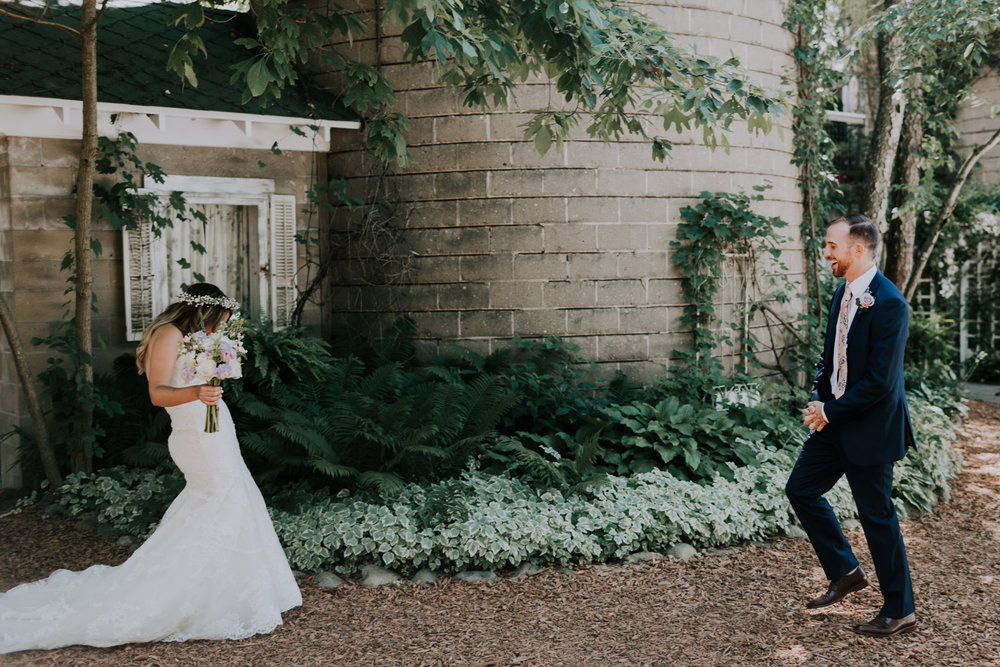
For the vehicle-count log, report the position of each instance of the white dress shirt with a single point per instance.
(858, 287)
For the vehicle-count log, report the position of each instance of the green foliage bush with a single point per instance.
(495, 521)
(922, 478)
(380, 420)
(130, 499)
(569, 429)
(303, 411)
(690, 441)
(552, 379)
(931, 352)
(377, 419)
(378, 429)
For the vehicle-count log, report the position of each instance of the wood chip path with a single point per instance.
(740, 607)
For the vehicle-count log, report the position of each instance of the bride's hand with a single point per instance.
(208, 394)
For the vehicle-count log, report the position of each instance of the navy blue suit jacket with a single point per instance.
(872, 415)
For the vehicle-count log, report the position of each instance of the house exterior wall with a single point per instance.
(36, 190)
(10, 395)
(501, 242)
(975, 126)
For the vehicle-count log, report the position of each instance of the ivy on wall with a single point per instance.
(720, 227)
(816, 85)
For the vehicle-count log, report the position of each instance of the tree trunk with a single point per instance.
(901, 238)
(946, 211)
(80, 455)
(812, 258)
(885, 136)
(34, 407)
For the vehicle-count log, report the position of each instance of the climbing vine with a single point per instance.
(123, 206)
(817, 83)
(723, 227)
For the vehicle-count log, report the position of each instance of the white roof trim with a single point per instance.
(52, 118)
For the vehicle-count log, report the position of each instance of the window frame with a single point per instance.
(274, 245)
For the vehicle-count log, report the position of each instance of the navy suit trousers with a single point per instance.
(821, 463)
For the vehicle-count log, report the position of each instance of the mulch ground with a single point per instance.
(740, 607)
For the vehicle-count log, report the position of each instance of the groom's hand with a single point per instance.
(812, 416)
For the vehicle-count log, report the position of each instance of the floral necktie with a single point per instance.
(845, 308)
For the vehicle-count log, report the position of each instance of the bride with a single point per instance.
(213, 569)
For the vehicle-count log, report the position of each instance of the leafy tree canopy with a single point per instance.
(613, 66)
(933, 28)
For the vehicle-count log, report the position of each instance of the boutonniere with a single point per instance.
(865, 301)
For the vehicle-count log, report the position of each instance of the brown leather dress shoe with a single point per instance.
(849, 583)
(883, 626)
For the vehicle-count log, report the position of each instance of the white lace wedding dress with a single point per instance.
(213, 569)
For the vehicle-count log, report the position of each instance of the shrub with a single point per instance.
(550, 376)
(931, 350)
(691, 441)
(131, 500)
(922, 478)
(378, 429)
(495, 521)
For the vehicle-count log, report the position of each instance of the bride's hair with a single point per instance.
(188, 315)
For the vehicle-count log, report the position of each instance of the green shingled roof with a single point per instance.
(133, 44)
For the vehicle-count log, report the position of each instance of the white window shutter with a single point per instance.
(137, 248)
(284, 259)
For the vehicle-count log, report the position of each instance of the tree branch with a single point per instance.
(20, 12)
(34, 407)
(781, 320)
(947, 210)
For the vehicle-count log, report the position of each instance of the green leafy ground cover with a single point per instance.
(371, 457)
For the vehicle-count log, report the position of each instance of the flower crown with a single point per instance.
(204, 300)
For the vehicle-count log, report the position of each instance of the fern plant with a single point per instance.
(553, 379)
(557, 460)
(378, 430)
(280, 358)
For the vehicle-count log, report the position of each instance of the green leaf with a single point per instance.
(258, 77)
(543, 139)
(190, 75)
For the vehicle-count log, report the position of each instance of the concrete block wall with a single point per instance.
(36, 190)
(10, 394)
(976, 127)
(503, 242)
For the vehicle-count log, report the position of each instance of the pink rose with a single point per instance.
(867, 300)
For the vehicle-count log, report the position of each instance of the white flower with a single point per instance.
(205, 366)
(214, 356)
(989, 223)
(865, 301)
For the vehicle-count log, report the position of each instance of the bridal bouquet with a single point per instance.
(212, 358)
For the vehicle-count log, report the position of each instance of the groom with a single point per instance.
(859, 425)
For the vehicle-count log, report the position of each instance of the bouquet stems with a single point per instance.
(212, 411)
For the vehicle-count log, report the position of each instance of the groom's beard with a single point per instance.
(839, 268)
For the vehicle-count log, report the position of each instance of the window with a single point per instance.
(248, 236)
